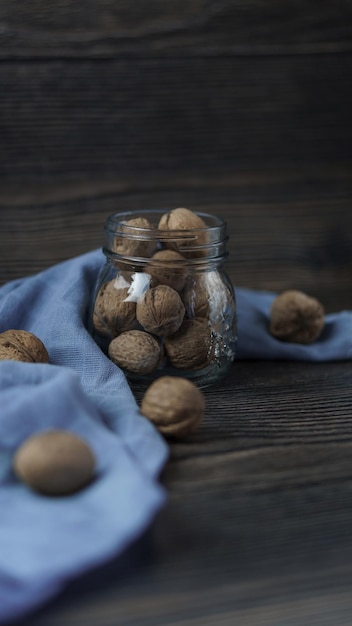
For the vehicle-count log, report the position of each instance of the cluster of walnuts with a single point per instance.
(57, 462)
(162, 311)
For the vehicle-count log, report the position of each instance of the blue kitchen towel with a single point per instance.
(46, 541)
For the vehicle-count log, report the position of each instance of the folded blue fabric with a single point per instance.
(45, 542)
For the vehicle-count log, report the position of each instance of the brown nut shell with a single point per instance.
(160, 311)
(112, 314)
(190, 347)
(135, 240)
(296, 317)
(21, 345)
(175, 405)
(182, 219)
(167, 267)
(55, 462)
(136, 351)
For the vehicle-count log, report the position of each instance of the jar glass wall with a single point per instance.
(163, 303)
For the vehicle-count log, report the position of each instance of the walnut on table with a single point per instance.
(175, 406)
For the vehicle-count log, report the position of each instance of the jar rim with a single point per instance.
(196, 244)
(118, 219)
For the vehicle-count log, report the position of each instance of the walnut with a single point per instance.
(182, 219)
(21, 345)
(160, 311)
(112, 314)
(175, 405)
(190, 347)
(296, 317)
(55, 462)
(167, 267)
(136, 351)
(136, 239)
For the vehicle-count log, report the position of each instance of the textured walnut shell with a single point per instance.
(190, 347)
(160, 311)
(112, 315)
(136, 351)
(21, 345)
(182, 219)
(134, 242)
(296, 317)
(168, 268)
(54, 462)
(175, 405)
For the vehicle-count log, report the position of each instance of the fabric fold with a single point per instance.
(46, 541)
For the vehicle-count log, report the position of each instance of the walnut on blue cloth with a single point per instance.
(54, 462)
(21, 345)
(296, 317)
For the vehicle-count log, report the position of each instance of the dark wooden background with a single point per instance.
(238, 108)
(243, 109)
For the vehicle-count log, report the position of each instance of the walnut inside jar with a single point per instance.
(190, 347)
(160, 311)
(193, 244)
(167, 267)
(113, 313)
(136, 351)
(136, 238)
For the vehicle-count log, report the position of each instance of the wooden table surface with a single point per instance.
(257, 528)
(242, 110)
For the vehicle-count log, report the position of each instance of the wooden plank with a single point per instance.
(184, 28)
(115, 117)
(241, 109)
(263, 138)
(257, 526)
(284, 232)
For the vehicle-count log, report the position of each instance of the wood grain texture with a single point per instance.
(241, 109)
(114, 117)
(257, 527)
(185, 27)
(286, 230)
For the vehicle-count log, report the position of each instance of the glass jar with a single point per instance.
(163, 304)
